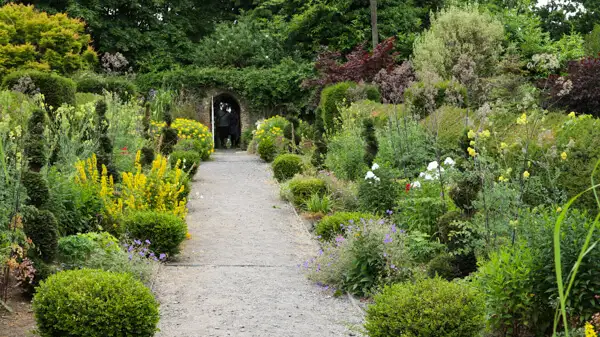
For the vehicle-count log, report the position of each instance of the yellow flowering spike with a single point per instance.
(571, 114)
(522, 120)
(563, 156)
(503, 145)
(589, 330)
(526, 174)
(472, 152)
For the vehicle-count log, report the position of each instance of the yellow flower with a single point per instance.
(472, 143)
(571, 114)
(485, 134)
(513, 222)
(559, 209)
(472, 152)
(188, 235)
(503, 145)
(502, 179)
(522, 120)
(471, 134)
(526, 174)
(589, 330)
(563, 156)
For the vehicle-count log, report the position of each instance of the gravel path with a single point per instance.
(238, 275)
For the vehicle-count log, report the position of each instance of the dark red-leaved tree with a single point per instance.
(579, 90)
(360, 64)
(393, 83)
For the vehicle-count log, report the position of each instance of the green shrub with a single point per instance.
(430, 307)
(320, 204)
(286, 166)
(302, 188)
(35, 149)
(421, 214)
(42, 229)
(444, 266)
(331, 225)
(507, 283)
(147, 156)
(245, 139)
(267, 150)
(37, 188)
(189, 161)
(379, 192)
(57, 90)
(165, 231)
(169, 140)
(97, 85)
(74, 250)
(94, 303)
(346, 155)
(189, 145)
(333, 97)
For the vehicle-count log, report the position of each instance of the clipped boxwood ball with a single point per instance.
(430, 307)
(94, 303)
(302, 188)
(165, 231)
(267, 150)
(286, 166)
(42, 228)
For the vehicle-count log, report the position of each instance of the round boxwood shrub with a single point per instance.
(286, 166)
(302, 188)
(331, 225)
(430, 307)
(57, 90)
(94, 303)
(267, 150)
(188, 161)
(169, 140)
(165, 231)
(41, 227)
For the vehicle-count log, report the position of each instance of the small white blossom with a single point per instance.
(432, 166)
(374, 167)
(370, 175)
(422, 175)
(428, 176)
(449, 161)
(416, 184)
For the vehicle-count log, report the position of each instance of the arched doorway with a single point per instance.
(227, 121)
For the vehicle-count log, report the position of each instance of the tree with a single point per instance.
(374, 33)
(30, 39)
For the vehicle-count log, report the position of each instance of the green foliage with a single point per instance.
(276, 87)
(333, 98)
(165, 231)
(320, 204)
(592, 42)
(57, 90)
(303, 188)
(35, 149)
(169, 140)
(42, 229)
(37, 188)
(424, 98)
(94, 303)
(75, 250)
(189, 161)
(286, 166)
(96, 84)
(35, 40)
(457, 35)
(332, 225)
(346, 154)
(379, 193)
(369, 135)
(267, 150)
(430, 307)
(464, 190)
(193, 145)
(444, 266)
(245, 139)
(507, 282)
(421, 213)
(147, 156)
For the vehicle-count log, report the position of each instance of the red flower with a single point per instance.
(407, 188)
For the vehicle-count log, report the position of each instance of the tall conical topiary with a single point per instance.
(105, 145)
(169, 135)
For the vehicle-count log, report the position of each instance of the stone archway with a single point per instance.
(215, 95)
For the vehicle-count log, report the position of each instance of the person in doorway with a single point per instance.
(223, 120)
(234, 128)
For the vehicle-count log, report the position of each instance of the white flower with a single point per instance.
(415, 184)
(422, 175)
(370, 175)
(432, 166)
(375, 167)
(449, 161)
(442, 169)
(377, 179)
(428, 177)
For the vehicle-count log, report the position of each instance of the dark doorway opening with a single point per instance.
(228, 124)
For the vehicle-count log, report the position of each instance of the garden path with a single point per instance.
(239, 275)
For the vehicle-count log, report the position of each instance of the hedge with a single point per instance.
(57, 90)
(96, 85)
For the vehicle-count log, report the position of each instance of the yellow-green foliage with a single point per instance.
(190, 129)
(459, 32)
(449, 124)
(35, 40)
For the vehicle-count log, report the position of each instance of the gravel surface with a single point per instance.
(239, 274)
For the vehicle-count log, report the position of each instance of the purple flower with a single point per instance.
(318, 267)
(402, 231)
(339, 239)
(318, 237)
(130, 257)
(381, 222)
(320, 252)
(394, 230)
(351, 221)
(130, 249)
(305, 264)
(137, 242)
(389, 212)
(147, 242)
(393, 266)
(162, 257)
(384, 254)
(142, 254)
(388, 239)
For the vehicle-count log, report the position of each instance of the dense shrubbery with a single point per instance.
(164, 231)
(188, 161)
(302, 188)
(92, 83)
(95, 303)
(333, 225)
(57, 90)
(286, 166)
(431, 307)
